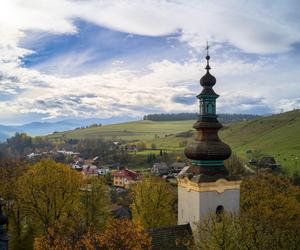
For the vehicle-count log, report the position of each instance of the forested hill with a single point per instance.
(223, 118)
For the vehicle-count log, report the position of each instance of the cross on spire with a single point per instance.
(207, 57)
(207, 49)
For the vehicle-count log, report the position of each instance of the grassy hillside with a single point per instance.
(129, 131)
(277, 135)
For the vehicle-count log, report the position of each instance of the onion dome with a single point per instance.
(207, 151)
(207, 80)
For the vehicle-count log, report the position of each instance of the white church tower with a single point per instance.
(205, 187)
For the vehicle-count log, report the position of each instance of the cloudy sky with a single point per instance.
(64, 59)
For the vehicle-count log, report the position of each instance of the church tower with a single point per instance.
(204, 186)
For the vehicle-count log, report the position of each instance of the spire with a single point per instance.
(207, 57)
(208, 80)
(208, 152)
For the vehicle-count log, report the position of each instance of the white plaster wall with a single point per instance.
(192, 205)
(188, 206)
(229, 199)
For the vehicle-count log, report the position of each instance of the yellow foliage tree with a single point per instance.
(50, 193)
(152, 201)
(270, 212)
(95, 202)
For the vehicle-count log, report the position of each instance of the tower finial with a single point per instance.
(207, 57)
(207, 49)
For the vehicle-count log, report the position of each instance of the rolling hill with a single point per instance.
(277, 135)
(129, 131)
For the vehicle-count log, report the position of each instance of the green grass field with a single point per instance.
(129, 131)
(276, 135)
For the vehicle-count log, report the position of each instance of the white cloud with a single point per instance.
(288, 104)
(116, 92)
(248, 26)
(253, 26)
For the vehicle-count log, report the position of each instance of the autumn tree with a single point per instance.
(49, 192)
(118, 234)
(51, 241)
(19, 145)
(95, 203)
(220, 231)
(270, 212)
(152, 201)
(10, 171)
(124, 234)
(269, 218)
(61, 205)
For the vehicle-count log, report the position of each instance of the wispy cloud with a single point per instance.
(157, 66)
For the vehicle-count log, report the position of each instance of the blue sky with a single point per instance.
(65, 59)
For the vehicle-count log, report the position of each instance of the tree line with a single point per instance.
(223, 118)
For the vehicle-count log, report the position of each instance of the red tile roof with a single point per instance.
(90, 170)
(126, 173)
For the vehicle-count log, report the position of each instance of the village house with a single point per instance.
(176, 167)
(64, 152)
(160, 168)
(268, 162)
(90, 170)
(124, 178)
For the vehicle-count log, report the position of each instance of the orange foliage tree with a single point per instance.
(124, 234)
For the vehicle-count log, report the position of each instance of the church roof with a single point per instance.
(172, 237)
(126, 173)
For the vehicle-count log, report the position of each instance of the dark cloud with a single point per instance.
(187, 99)
(136, 108)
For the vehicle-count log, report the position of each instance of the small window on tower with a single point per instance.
(219, 210)
(210, 108)
(219, 213)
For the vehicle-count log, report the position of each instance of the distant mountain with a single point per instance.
(44, 128)
(35, 128)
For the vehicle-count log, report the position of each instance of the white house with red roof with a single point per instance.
(124, 177)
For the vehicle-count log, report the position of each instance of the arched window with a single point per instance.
(219, 213)
(201, 107)
(210, 108)
(219, 210)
